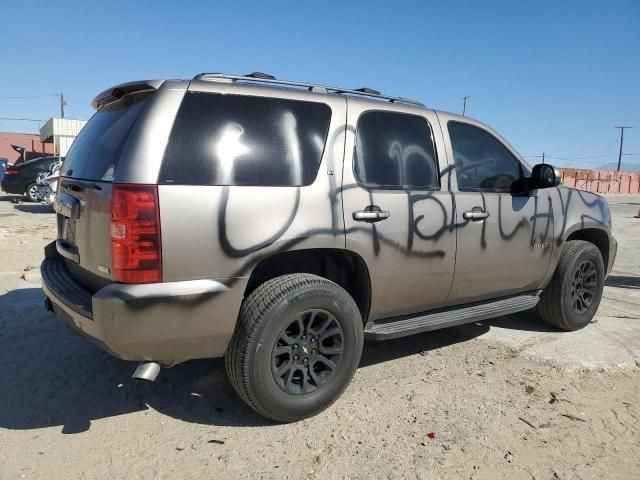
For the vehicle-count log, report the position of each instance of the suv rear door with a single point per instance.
(397, 209)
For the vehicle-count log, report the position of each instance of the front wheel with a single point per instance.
(296, 346)
(573, 295)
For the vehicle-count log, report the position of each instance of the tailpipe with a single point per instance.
(147, 371)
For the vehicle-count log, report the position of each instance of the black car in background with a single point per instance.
(21, 179)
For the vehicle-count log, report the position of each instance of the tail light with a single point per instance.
(136, 255)
(11, 171)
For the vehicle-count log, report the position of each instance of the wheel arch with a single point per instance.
(341, 266)
(599, 237)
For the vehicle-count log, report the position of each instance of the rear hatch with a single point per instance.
(83, 203)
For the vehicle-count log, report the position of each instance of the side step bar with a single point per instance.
(396, 327)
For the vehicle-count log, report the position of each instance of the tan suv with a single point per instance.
(279, 224)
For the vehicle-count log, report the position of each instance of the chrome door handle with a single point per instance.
(475, 215)
(370, 214)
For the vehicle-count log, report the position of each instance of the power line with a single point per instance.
(76, 110)
(47, 95)
(69, 100)
(78, 101)
(22, 119)
(586, 158)
(43, 96)
(575, 159)
(580, 158)
(28, 96)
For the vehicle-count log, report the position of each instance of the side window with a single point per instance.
(245, 140)
(395, 150)
(481, 161)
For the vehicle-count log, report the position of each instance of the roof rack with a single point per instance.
(259, 77)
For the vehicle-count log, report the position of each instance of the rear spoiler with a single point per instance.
(118, 92)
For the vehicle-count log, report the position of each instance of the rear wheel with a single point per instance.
(572, 297)
(31, 192)
(296, 346)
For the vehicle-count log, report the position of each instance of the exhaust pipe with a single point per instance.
(147, 371)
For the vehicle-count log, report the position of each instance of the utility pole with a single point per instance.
(464, 105)
(62, 104)
(621, 127)
(542, 157)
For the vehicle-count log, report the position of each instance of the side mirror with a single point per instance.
(544, 175)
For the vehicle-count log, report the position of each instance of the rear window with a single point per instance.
(245, 140)
(95, 153)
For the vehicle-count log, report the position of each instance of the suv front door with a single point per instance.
(397, 217)
(504, 234)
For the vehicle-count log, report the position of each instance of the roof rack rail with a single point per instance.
(259, 77)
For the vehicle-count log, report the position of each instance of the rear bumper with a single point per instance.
(11, 187)
(164, 322)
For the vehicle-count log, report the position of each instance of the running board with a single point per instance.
(396, 327)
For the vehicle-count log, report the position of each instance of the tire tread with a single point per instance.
(252, 313)
(550, 307)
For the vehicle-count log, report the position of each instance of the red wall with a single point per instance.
(30, 141)
(601, 181)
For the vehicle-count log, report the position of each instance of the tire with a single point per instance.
(283, 316)
(31, 192)
(561, 304)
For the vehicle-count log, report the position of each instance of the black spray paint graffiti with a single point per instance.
(414, 222)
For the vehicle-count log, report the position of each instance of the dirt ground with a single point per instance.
(507, 398)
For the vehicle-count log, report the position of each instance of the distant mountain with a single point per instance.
(625, 167)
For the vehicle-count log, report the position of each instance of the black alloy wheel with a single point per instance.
(307, 352)
(583, 287)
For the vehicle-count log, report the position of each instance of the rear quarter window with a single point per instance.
(245, 140)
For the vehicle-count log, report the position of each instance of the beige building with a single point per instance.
(61, 132)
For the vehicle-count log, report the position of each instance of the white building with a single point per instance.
(61, 132)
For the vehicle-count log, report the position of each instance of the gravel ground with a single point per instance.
(507, 398)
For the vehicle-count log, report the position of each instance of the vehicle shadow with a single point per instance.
(12, 198)
(34, 208)
(527, 321)
(622, 281)
(53, 377)
(380, 352)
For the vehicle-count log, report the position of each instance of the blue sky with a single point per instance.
(553, 76)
